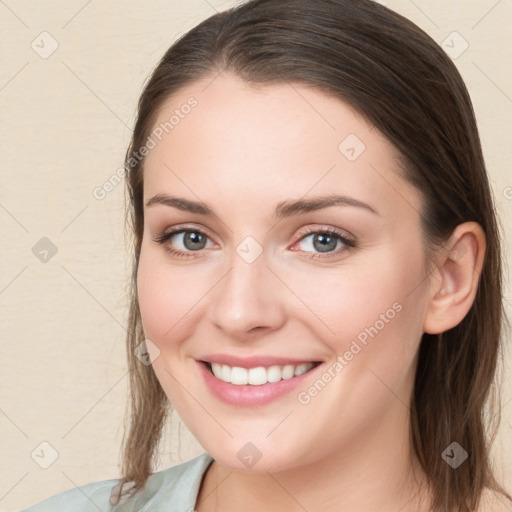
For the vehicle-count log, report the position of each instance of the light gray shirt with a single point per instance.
(174, 489)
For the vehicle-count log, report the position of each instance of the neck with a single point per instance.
(374, 471)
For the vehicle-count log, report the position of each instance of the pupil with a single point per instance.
(327, 242)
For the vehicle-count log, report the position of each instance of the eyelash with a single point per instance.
(348, 243)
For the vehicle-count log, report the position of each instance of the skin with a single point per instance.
(243, 150)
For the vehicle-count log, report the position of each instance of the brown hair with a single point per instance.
(402, 82)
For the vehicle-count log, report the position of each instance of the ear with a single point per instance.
(454, 282)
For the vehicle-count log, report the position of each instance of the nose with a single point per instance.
(248, 301)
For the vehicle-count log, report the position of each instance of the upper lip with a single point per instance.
(253, 361)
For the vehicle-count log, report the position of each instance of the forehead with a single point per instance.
(225, 136)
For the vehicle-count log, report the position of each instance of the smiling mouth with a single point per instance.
(259, 375)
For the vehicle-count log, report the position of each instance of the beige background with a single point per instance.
(66, 123)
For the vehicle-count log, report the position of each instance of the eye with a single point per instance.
(328, 241)
(188, 241)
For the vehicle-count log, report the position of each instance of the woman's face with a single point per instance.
(271, 278)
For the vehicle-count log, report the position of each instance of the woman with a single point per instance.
(317, 271)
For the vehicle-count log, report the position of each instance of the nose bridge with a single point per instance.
(248, 296)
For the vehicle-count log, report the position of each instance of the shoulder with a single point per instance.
(179, 483)
(91, 496)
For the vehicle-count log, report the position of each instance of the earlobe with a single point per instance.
(455, 281)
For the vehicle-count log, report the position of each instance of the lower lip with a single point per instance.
(250, 396)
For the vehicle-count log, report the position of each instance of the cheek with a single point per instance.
(354, 300)
(153, 298)
(169, 297)
(169, 301)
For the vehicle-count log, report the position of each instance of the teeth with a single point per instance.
(256, 376)
(226, 373)
(239, 376)
(260, 375)
(302, 368)
(288, 371)
(273, 374)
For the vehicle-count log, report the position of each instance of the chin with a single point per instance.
(255, 457)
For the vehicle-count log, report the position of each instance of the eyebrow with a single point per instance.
(283, 209)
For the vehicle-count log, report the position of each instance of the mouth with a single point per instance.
(259, 375)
